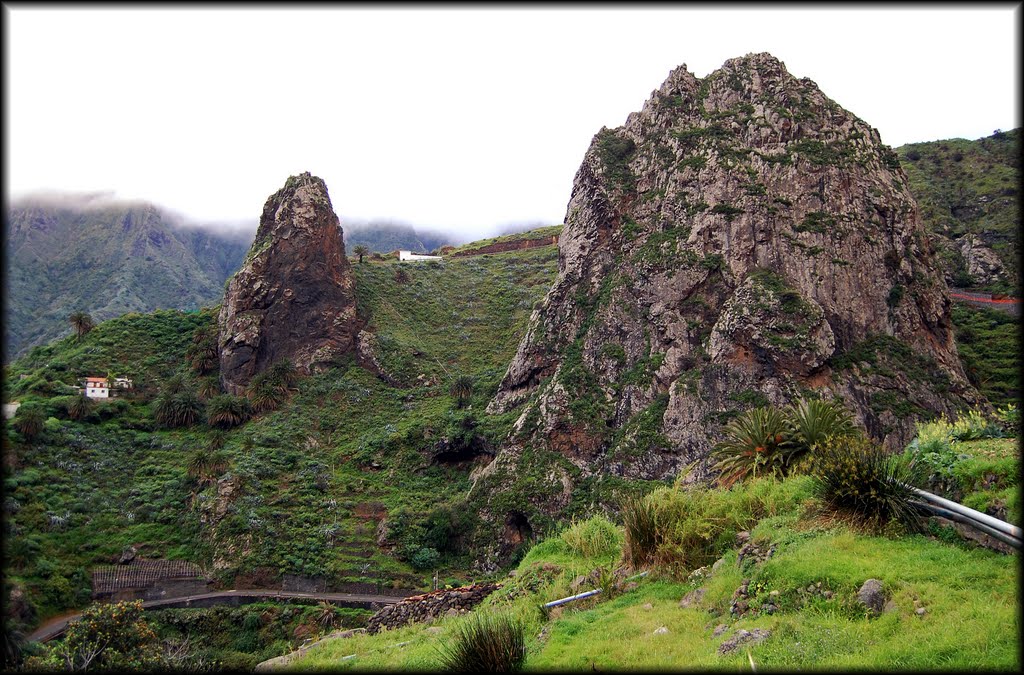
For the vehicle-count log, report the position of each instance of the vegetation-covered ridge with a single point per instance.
(969, 189)
(105, 261)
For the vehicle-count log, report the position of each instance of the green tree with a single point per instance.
(106, 637)
(29, 422)
(361, 250)
(80, 407)
(177, 405)
(82, 323)
(226, 411)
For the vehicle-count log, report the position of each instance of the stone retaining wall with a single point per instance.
(430, 606)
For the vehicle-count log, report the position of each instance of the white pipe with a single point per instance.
(994, 523)
(580, 596)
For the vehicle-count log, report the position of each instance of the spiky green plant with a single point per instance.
(177, 404)
(853, 475)
(462, 389)
(80, 407)
(204, 466)
(811, 423)
(29, 422)
(82, 323)
(486, 644)
(226, 411)
(757, 442)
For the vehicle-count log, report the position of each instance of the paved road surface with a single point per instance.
(55, 627)
(1005, 304)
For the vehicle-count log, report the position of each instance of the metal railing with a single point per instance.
(1005, 532)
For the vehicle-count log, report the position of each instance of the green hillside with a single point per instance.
(311, 480)
(949, 606)
(969, 187)
(105, 261)
(361, 481)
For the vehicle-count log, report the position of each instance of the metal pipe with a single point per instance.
(995, 523)
(945, 513)
(580, 596)
(556, 603)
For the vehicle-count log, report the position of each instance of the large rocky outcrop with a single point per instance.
(741, 240)
(293, 298)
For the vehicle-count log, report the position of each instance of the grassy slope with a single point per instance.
(965, 187)
(971, 619)
(311, 473)
(539, 233)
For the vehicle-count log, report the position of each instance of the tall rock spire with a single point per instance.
(293, 298)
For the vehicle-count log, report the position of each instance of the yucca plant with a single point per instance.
(639, 519)
(812, 423)
(853, 475)
(484, 643)
(756, 442)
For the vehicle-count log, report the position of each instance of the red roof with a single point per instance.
(96, 379)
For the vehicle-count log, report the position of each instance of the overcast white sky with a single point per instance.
(447, 118)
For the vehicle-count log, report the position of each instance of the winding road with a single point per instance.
(1003, 303)
(55, 626)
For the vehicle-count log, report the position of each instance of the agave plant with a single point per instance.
(756, 442)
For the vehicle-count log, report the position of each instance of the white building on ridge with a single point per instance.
(409, 255)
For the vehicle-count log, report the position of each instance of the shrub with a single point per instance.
(425, 558)
(486, 644)
(854, 476)
(639, 519)
(593, 538)
(756, 438)
(974, 426)
(107, 637)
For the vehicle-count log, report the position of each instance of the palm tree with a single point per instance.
(81, 322)
(462, 389)
(204, 466)
(29, 422)
(80, 407)
(177, 405)
(227, 411)
(361, 250)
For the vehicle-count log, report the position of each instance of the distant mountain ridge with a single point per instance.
(384, 237)
(107, 259)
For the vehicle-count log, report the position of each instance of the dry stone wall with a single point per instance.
(430, 606)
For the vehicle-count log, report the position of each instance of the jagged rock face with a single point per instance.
(742, 240)
(293, 298)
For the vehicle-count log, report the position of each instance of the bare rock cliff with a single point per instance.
(294, 296)
(742, 240)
